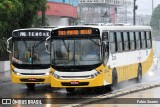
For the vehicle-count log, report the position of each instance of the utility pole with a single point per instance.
(134, 12)
(152, 6)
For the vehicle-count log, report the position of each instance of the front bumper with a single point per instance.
(43, 79)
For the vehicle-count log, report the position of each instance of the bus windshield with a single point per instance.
(30, 52)
(71, 52)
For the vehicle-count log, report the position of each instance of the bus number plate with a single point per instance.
(32, 79)
(74, 82)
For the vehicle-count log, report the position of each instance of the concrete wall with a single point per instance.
(57, 21)
(4, 66)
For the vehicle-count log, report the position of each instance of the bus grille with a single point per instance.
(80, 84)
(32, 73)
(30, 80)
(76, 77)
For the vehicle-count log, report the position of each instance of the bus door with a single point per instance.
(113, 48)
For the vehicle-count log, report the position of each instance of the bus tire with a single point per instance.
(114, 80)
(139, 74)
(30, 86)
(70, 90)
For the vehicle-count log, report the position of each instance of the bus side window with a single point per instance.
(105, 36)
(143, 40)
(119, 41)
(138, 46)
(148, 37)
(112, 40)
(140, 40)
(125, 41)
(132, 41)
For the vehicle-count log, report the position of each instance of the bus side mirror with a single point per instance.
(105, 49)
(104, 44)
(8, 40)
(46, 45)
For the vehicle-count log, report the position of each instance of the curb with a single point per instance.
(116, 94)
(4, 71)
(5, 76)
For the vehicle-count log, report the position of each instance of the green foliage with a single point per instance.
(10, 13)
(155, 21)
(16, 14)
(31, 8)
(37, 22)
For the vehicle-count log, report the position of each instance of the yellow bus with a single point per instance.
(92, 56)
(30, 63)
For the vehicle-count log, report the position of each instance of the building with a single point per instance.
(103, 11)
(72, 2)
(61, 12)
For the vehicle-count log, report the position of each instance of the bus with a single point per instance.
(30, 63)
(93, 56)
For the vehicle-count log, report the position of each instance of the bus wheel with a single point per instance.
(30, 86)
(70, 90)
(114, 80)
(139, 74)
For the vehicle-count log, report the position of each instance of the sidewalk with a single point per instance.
(5, 76)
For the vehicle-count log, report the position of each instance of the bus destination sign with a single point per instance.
(74, 32)
(32, 33)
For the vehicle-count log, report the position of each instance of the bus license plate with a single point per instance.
(32, 79)
(74, 82)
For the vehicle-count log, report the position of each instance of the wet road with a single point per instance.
(138, 99)
(9, 90)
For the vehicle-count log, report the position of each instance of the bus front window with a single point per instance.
(30, 52)
(75, 52)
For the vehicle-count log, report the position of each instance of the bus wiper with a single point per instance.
(96, 43)
(38, 43)
(65, 45)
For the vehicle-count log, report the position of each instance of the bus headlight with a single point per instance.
(47, 73)
(16, 73)
(95, 75)
(56, 75)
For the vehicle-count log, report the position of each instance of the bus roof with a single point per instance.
(48, 26)
(126, 28)
(111, 27)
(49, 29)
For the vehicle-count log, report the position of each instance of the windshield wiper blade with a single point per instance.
(65, 45)
(38, 43)
(97, 43)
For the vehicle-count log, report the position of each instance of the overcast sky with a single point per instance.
(145, 6)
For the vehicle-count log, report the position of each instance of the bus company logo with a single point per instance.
(34, 34)
(6, 101)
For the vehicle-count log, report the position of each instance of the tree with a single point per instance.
(10, 13)
(31, 8)
(16, 14)
(155, 22)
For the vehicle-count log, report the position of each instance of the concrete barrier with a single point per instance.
(4, 66)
